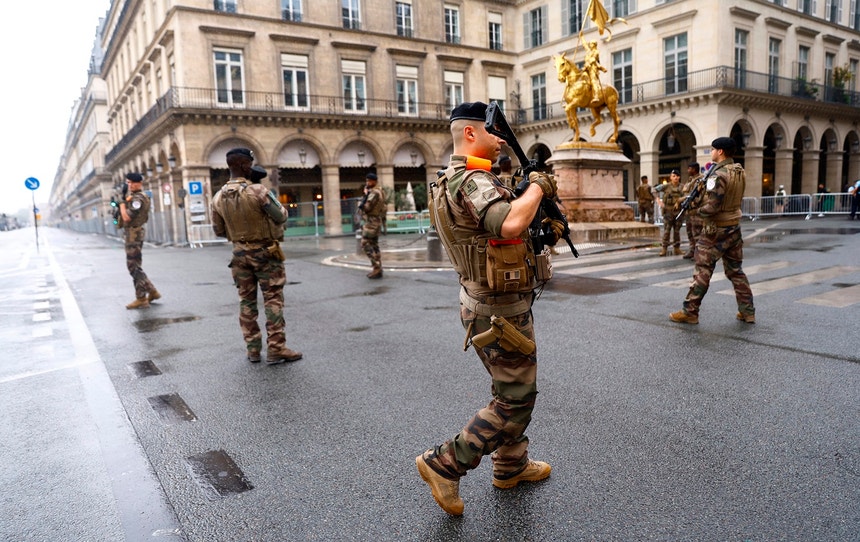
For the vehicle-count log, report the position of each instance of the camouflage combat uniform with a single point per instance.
(373, 213)
(691, 216)
(721, 239)
(478, 205)
(645, 199)
(252, 218)
(672, 198)
(137, 207)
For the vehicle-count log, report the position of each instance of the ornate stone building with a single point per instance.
(324, 91)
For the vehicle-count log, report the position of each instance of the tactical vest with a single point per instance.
(467, 246)
(244, 219)
(644, 193)
(138, 216)
(671, 195)
(730, 213)
(379, 206)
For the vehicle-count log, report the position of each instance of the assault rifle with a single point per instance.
(694, 193)
(497, 125)
(117, 214)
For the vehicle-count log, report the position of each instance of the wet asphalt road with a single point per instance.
(655, 431)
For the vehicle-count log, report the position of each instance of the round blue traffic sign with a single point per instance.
(32, 183)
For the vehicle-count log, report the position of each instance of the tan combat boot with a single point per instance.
(683, 318)
(534, 471)
(748, 318)
(662, 251)
(284, 355)
(677, 251)
(445, 491)
(153, 295)
(139, 303)
(375, 274)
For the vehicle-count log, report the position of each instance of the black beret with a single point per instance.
(371, 176)
(504, 158)
(134, 177)
(241, 150)
(694, 164)
(470, 111)
(675, 172)
(724, 144)
(260, 171)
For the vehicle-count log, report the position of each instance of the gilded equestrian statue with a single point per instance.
(579, 91)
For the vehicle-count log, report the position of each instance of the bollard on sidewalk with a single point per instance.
(434, 246)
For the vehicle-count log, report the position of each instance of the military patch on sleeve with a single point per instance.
(712, 182)
(135, 204)
(470, 187)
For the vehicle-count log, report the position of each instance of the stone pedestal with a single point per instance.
(590, 180)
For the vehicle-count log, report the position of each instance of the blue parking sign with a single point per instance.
(195, 187)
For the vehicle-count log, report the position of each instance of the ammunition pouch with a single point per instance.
(543, 265)
(507, 268)
(506, 335)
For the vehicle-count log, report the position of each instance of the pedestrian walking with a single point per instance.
(134, 210)
(249, 215)
(484, 229)
(721, 237)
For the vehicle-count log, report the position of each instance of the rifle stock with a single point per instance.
(497, 124)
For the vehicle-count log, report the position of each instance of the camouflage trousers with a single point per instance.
(134, 261)
(370, 246)
(646, 212)
(694, 229)
(726, 244)
(499, 428)
(671, 230)
(251, 268)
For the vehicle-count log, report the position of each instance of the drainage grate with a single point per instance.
(217, 473)
(171, 408)
(144, 368)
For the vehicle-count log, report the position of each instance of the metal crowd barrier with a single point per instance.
(805, 205)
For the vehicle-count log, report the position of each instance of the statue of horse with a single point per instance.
(578, 93)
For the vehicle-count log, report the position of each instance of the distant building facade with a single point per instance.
(325, 91)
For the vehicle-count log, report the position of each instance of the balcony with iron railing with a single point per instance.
(720, 78)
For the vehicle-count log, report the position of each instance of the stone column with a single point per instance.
(853, 166)
(834, 170)
(331, 197)
(386, 182)
(753, 167)
(809, 183)
(649, 164)
(782, 168)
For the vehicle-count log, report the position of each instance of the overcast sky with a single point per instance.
(47, 48)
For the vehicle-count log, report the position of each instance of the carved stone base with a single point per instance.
(590, 182)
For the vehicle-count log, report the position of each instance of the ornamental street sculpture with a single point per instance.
(582, 87)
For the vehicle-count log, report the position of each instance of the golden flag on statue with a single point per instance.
(597, 13)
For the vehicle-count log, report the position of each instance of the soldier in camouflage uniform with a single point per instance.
(135, 212)
(645, 199)
(670, 202)
(721, 236)
(478, 218)
(249, 215)
(691, 217)
(373, 209)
